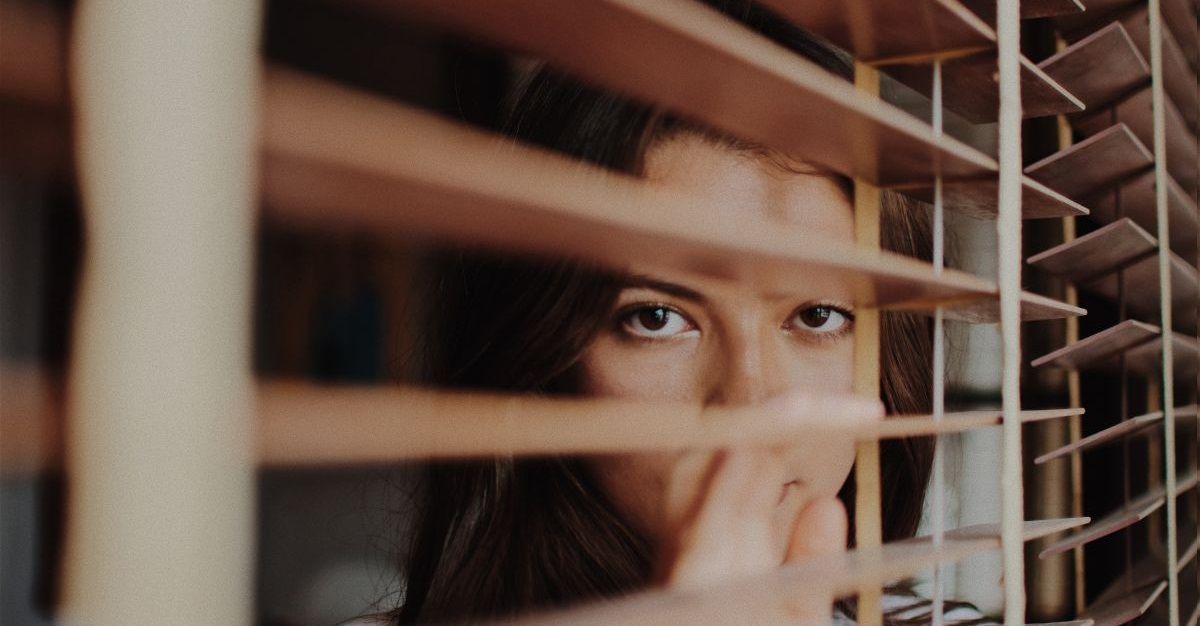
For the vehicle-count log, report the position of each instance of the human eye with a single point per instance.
(653, 321)
(821, 319)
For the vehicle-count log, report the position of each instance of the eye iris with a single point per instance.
(816, 316)
(653, 319)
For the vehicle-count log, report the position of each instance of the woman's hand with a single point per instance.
(730, 516)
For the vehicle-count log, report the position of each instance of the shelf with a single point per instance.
(692, 59)
(1135, 198)
(1142, 295)
(970, 87)
(978, 198)
(1179, 81)
(1135, 511)
(1111, 48)
(1097, 253)
(1094, 164)
(1101, 347)
(1134, 111)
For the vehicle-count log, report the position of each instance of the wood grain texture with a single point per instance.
(1134, 198)
(970, 87)
(1099, 348)
(1111, 48)
(692, 59)
(1135, 112)
(1097, 163)
(1097, 253)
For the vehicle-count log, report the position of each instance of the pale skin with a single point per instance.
(718, 515)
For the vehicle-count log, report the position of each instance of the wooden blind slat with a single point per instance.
(340, 159)
(1111, 48)
(302, 424)
(977, 198)
(880, 29)
(1034, 307)
(1135, 198)
(1114, 433)
(1127, 608)
(1142, 290)
(972, 90)
(1135, 112)
(1179, 79)
(692, 59)
(1100, 347)
(1030, 9)
(1096, 163)
(1099, 252)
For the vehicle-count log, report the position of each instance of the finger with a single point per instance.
(820, 528)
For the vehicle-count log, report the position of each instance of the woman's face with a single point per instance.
(678, 337)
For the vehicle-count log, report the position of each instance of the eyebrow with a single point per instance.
(646, 282)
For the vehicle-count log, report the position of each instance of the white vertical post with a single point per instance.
(1008, 226)
(160, 438)
(1164, 290)
(939, 359)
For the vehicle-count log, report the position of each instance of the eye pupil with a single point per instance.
(653, 319)
(817, 316)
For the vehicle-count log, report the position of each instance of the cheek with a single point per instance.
(614, 367)
(637, 485)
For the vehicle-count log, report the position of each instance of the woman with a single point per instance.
(507, 536)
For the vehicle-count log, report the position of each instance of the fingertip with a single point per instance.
(820, 528)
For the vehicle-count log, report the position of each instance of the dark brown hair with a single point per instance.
(503, 536)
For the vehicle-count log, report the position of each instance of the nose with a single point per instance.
(750, 368)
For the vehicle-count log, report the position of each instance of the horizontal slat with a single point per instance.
(1097, 253)
(1134, 198)
(1030, 9)
(1188, 554)
(1100, 347)
(341, 159)
(1141, 290)
(971, 89)
(692, 59)
(1178, 18)
(305, 424)
(1146, 359)
(978, 198)
(883, 29)
(1078, 67)
(1094, 164)
(1034, 307)
(1111, 434)
(1179, 81)
(1030, 531)
(1127, 608)
(1135, 511)
(1194, 617)
(1134, 111)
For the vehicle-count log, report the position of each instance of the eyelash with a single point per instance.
(624, 315)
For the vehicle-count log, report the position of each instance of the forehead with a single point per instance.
(750, 186)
